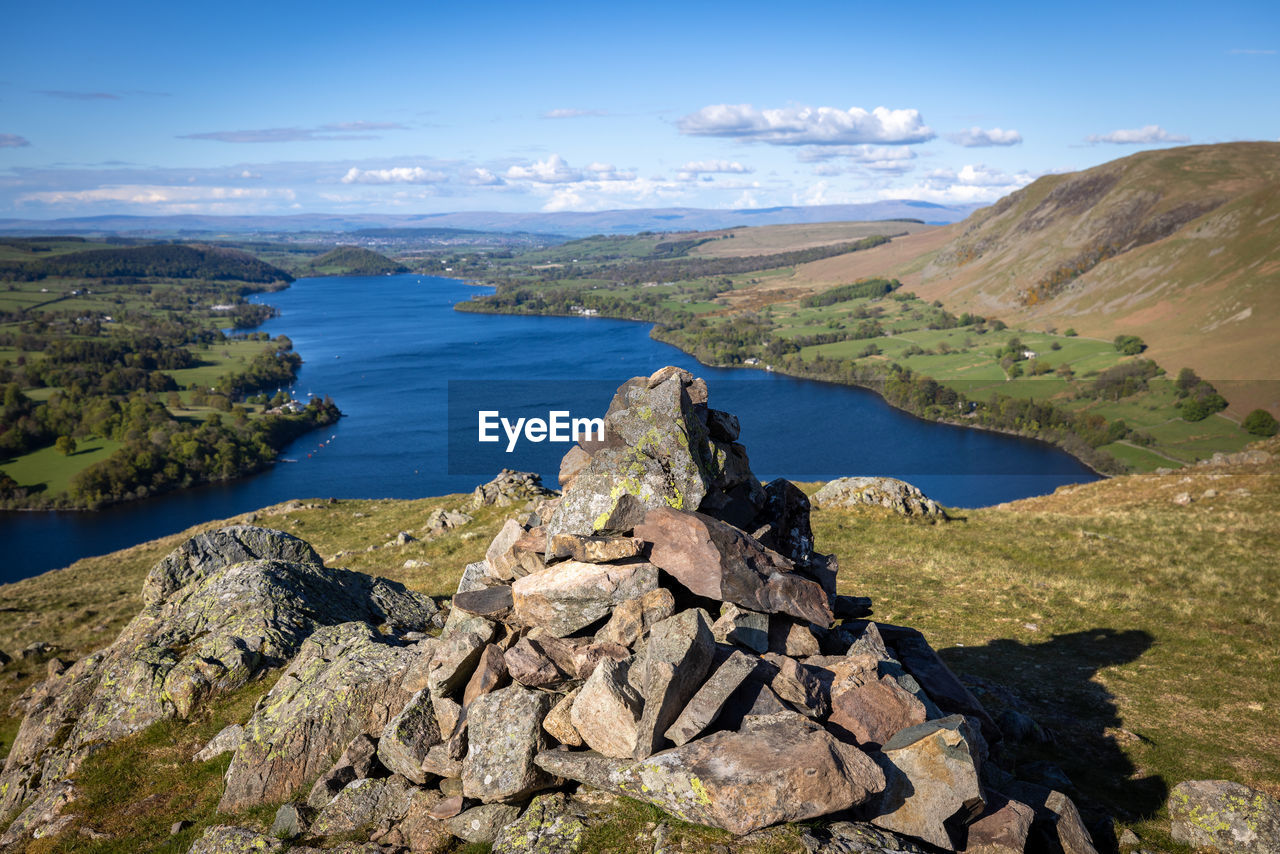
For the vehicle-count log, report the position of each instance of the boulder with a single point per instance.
(227, 839)
(1057, 823)
(212, 550)
(536, 663)
(868, 707)
(674, 663)
(501, 557)
(939, 683)
(857, 837)
(344, 682)
(454, 661)
(490, 674)
(1224, 815)
(407, 737)
(799, 685)
(291, 821)
(786, 513)
(509, 487)
(790, 638)
(570, 596)
(932, 785)
(606, 712)
(1002, 829)
(559, 721)
(777, 768)
(716, 560)
(504, 734)
(363, 804)
(573, 462)
(896, 495)
(547, 825)
(492, 603)
(226, 741)
(209, 637)
(655, 449)
(588, 656)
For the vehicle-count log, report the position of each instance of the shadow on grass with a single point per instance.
(1053, 681)
(83, 450)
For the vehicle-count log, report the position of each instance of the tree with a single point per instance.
(1071, 332)
(1260, 422)
(65, 445)
(1129, 345)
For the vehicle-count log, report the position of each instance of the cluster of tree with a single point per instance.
(355, 261)
(178, 261)
(863, 289)
(1260, 422)
(1129, 345)
(1198, 399)
(861, 330)
(1122, 380)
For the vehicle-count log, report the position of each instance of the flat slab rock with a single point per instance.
(777, 768)
(572, 595)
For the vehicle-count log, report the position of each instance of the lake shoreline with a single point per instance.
(783, 372)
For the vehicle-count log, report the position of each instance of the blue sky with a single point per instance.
(275, 108)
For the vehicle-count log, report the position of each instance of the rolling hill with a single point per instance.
(1179, 246)
(354, 261)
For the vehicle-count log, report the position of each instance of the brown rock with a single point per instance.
(440, 763)
(587, 657)
(490, 674)
(572, 463)
(530, 664)
(447, 808)
(559, 721)
(1057, 821)
(492, 603)
(1002, 829)
(714, 559)
(790, 638)
(606, 712)
(674, 665)
(936, 678)
(779, 768)
(632, 618)
(500, 556)
(703, 708)
(454, 662)
(798, 685)
(594, 549)
(932, 785)
(868, 707)
(572, 595)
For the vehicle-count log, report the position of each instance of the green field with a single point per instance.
(50, 472)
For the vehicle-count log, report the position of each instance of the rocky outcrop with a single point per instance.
(226, 622)
(1225, 815)
(890, 493)
(510, 487)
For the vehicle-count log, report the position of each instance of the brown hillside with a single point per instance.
(1179, 246)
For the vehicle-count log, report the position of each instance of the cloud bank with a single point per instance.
(976, 137)
(1138, 136)
(808, 125)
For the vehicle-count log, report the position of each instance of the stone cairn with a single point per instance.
(662, 630)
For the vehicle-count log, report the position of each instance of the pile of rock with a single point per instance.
(662, 630)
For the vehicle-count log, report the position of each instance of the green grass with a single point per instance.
(218, 360)
(54, 470)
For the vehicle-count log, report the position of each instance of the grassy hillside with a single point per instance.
(1142, 631)
(1177, 246)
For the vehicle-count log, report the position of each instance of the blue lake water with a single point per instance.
(390, 349)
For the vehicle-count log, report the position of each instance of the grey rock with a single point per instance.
(46, 815)
(363, 804)
(1225, 815)
(505, 733)
(290, 822)
(856, 837)
(440, 762)
(510, 487)
(480, 825)
(676, 660)
(572, 595)
(705, 705)
(210, 551)
(212, 636)
(344, 682)
(227, 839)
(1057, 821)
(226, 741)
(778, 768)
(547, 825)
(790, 638)
(454, 661)
(606, 712)
(932, 783)
(736, 625)
(407, 737)
(358, 760)
(896, 495)
(500, 557)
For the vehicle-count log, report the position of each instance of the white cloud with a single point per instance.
(976, 137)
(808, 125)
(973, 183)
(702, 170)
(594, 195)
(1138, 136)
(481, 177)
(397, 175)
(553, 170)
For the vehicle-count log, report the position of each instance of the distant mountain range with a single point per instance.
(565, 223)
